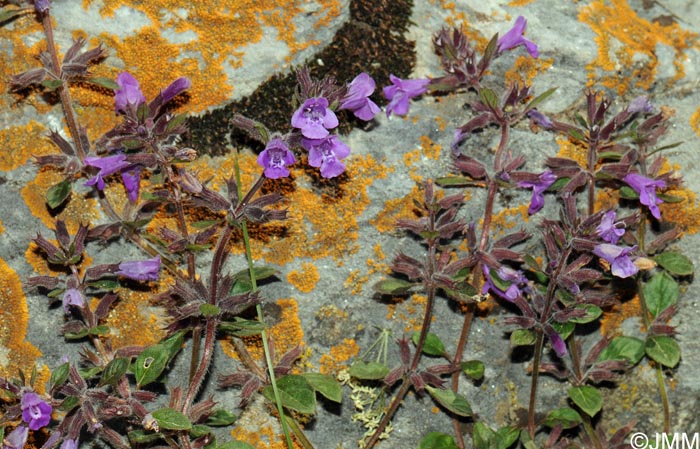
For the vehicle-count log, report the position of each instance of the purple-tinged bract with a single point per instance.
(401, 91)
(72, 297)
(640, 104)
(357, 98)
(70, 444)
(16, 439)
(175, 88)
(314, 118)
(275, 158)
(326, 154)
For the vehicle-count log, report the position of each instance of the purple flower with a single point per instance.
(129, 92)
(140, 270)
(538, 187)
(401, 91)
(16, 439)
(326, 153)
(646, 188)
(618, 258)
(175, 88)
(540, 119)
(108, 165)
(70, 444)
(274, 159)
(72, 297)
(357, 98)
(314, 118)
(608, 230)
(514, 38)
(557, 342)
(640, 104)
(41, 6)
(506, 275)
(131, 177)
(35, 412)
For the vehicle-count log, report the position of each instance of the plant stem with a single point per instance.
(578, 374)
(258, 307)
(539, 344)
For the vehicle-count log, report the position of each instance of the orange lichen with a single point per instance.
(684, 214)
(394, 209)
(335, 359)
(261, 435)
(286, 334)
(16, 354)
(519, 2)
(508, 219)
(133, 321)
(410, 312)
(525, 69)
(623, 37)
(695, 121)
(305, 281)
(20, 143)
(78, 208)
(37, 259)
(572, 149)
(613, 318)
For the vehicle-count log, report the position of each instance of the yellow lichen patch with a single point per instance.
(20, 143)
(16, 354)
(286, 334)
(571, 149)
(613, 318)
(686, 213)
(133, 321)
(398, 208)
(525, 69)
(304, 281)
(628, 42)
(519, 2)
(37, 259)
(508, 219)
(335, 359)
(261, 435)
(606, 199)
(78, 208)
(695, 121)
(410, 312)
(212, 36)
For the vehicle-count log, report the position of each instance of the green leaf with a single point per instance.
(452, 401)
(660, 293)
(491, 48)
(393, 286)
(203, 224)
(208, 310)
(326, 385)
(453, 181)
(173, 344)
(175, 122)
(102, 329)
(540, 98)
(59, 375)
(488, 97)
(675, 263)
(141, 436)
(663, 349)
(242, 283)
(368, 370)
(82, 333)
(69, 403)
(630, 349)
(437, 440)
(474, 369)
(628, 193)
(114, 371)
(522, 337)
(507, 436)
(486, 438)
(432, 345)
(564, 329)
(107, 83)
(8, 14)
(199, 430)
(58, 193)
(235, 445)
(88, 373)
(576, 134)
(295, 394)
(565, 417)
(104, 284)
(170, 419)
(221, 418)
(51, 84)
(242, 327)
(194, 247)
(587, 398)
(592, 314)
(150, 364)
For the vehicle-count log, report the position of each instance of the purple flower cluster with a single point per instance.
(646, 188)
(140, 270)
(544, 181)
(514, 38)
(35, 412)
(129, 92)
(618, 257)
(515, 278)
(109, 165)
(401, 91)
